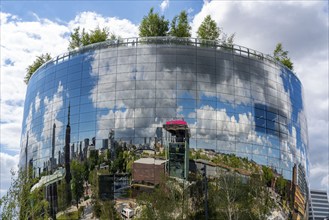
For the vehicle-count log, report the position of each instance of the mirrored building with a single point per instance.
(234, 100)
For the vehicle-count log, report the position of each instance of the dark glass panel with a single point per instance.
(206, 70)
(166, 58)
(259, 113)
(260, 122)
(180, 59)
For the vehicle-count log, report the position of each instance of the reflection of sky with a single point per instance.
(114, 89)
(292, 87)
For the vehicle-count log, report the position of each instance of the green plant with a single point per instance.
(77, 180)
(153, 25)
(19, 202)
(180, 26)
(82, 38)
(69, 216)
(268, 175)
(30, 70)
(208, 29)
(282, 56)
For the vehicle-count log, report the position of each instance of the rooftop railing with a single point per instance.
(168, 40)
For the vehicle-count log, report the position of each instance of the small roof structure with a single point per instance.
(150, 160)
(177, 127)
(176, 122)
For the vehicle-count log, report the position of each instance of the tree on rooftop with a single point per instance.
(153, 25)
(208, 29)
(180, 26)
(35, 65)
(228, 40)
(282, 56)
(75, 39)
(83, 38)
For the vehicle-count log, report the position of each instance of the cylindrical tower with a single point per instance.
(235, 100)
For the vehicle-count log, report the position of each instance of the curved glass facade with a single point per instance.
(234, 102)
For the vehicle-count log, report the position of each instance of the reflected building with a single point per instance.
(177, 138)
(235, 101)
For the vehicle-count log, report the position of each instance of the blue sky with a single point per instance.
(30, 28)
(67, 10)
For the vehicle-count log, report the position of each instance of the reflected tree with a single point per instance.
(233, 196)
(77, 180)
(228, 197)
(164, 203)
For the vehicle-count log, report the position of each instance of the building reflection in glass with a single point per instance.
(122, 95)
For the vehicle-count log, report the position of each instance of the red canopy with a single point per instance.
(176, 122)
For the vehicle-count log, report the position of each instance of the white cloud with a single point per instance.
(37, 102)
(7, 163)
(21, 42)
(164, 5)
(302, 27)
(52, 107)
(320, 176)
(91, 20)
